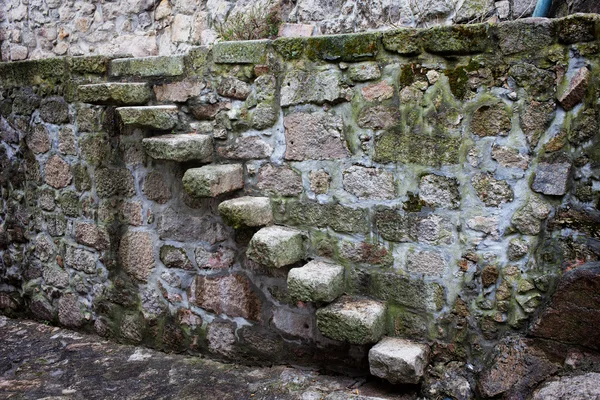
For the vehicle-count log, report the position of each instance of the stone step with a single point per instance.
(213, 180)
(181, 147)
(316, 281)
(399, 361)
(247, 211)
(276, 246)
(356, 320)
(147, 66)
(154, 117)
(126, 94)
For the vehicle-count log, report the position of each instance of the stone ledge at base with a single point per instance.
(356, 320)
(126, 94)
(247, 211)
(180, 148)
(154, 117)
(276, 246)
(213, 180)
(398, 360)
(316, 281)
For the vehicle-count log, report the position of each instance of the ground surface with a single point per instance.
(45, 362)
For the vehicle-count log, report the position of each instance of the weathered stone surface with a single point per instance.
(317, 136)
(336, 216)
(350, 47)
(378, 91)
(147, 66)
(209, 111)
(80, 259)
(577, 28)
(426, 262)
(319, 181)
(94, 148)
(213, 180)
(574, 387)
(490, 120)
(316, 281)
(530, 34)
(535, 119)
(378, 117)
(54, 110)
(127, 94)
(231, 295)
(54, 275)
(538, 83)
(92, 235)
(57, 172)
(404, 41)
(114, 182)
(70, 312)
(153, 117)
(509, 157)
(366, 253)
(264, 115)
(365, 71)
(137, 255)
(178, 92)
(243, 52)
(407, 147)
(181, 147)
(295, 30)
(574, 311)
(404, 290)
(175, 257)
(246, 148)
(493, 192)
(276, 246)
(576, 89)
(352, 319)
(439, 191)
(233, 88)
(221, 259)
(300, 87)
(398, 360)
(156, 188)
(517, 249)
(528, 219)
(67, 141)
(247, 211)
(279, 181)
(459, 39)
(552, 175)
(517, 368)
(189, 228)
(38, 140)
(414, 227)
(25, 102)
(131, 213)
(369, 183)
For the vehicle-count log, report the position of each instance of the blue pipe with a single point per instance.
(542, 8)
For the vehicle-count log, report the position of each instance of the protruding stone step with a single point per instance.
(247, 211)
(355, 320)
(276, 246)
(316, 281)
(398, 360)
(181, 148)
(126, 94)
(213, 180)
(147, 66)
(155, 117)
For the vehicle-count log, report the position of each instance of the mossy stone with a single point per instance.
(88, 64)
(336, 216)
(290, 48)
(457, 39)
(243, 52)
(416, 294)
(405, 41)
(69, 203)
(349, 47)
(147, 66)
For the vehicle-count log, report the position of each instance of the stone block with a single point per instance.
(279, 181)
(156, 187)
(80, 259)
(408, 147)
(369, 183)
(185, 227)
(401, 289)
(318, 87)
(180, 148)
(575, 90)
(246, 148)
(247, 211)
(348, 47)
(428, 263)
(242, 52)
(378, 117)
(365, 71)
(147, 66)
(493, 192)
(231, 295)
(491, 120)
(92, 235)
(175, 257)
(378, 92)
(276, 246)
(577, 28)
(457, 39)
(528, 34)
(528, 219)
(233, 88)
(552, 175)
(317, 136)
(355, 320)
(213, 180)
(405, 41)
(398, 361)
(340, 218)
(54, 110)
(136, 254)
(153, 117)
(316, 281)
(295, 30)
(179, 92)
(127, 94)
(57, 172)
(439, 191)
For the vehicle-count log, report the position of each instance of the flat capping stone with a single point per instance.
(115, 93)
(457, 39)
(241, 52)
(577, 28)
(347, 47)
(32, 72)
(147, 66)
(404, 41)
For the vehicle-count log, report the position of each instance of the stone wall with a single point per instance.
(293, 201)
(34, 29)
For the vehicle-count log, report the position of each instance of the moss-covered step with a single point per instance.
(242, 52)
(213, 180)
(154, 117)
(122, 94)
(247, 211)
(276, 246)
(399, 361)
(181, 147)
(317, 281)
(147, 66)
(356, 320)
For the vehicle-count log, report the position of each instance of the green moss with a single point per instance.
(147, 66)
(350, 47)
(458, 79)
(335, 216)
(246, 52)
(48, 71)
(406, 41)
(88, 65)
(290, 48)
(416, 294)
(457, 39)
(405, 323)
(69, 203)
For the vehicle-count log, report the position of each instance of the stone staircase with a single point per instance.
(352, 319)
